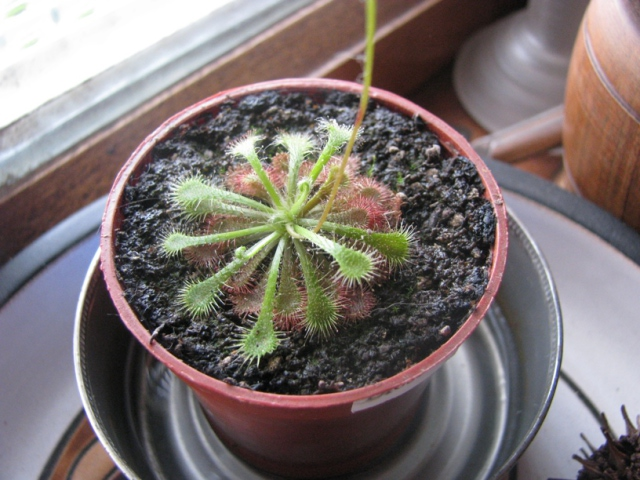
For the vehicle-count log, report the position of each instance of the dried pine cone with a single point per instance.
(616, 459)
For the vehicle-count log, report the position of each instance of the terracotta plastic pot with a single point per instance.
(306, 435)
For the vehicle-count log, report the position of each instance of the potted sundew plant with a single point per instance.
(304, 277)
(319, 270)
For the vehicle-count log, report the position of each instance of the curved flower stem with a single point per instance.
(364, 98)
(321, 194)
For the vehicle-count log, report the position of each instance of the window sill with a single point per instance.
(416, 38)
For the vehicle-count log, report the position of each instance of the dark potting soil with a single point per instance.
(417, 310)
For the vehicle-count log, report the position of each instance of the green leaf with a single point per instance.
(246, 148)
(261, 339)
(288, 299)
(337, 136)
(246, 273)
(353, 265)
(176, 242)
(258, 341)
(298, 146)
(322, 308)
(395, 246)
(201, 298)
(199, 199)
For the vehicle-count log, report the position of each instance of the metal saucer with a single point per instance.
(480, 412)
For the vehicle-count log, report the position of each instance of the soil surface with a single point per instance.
(418, 309)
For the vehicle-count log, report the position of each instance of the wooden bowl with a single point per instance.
(601, 133)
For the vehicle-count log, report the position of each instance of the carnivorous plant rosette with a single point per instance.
(280, 262)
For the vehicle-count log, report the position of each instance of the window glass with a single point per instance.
(74, 40)
(70, 67)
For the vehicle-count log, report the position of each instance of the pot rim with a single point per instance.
(450, 139)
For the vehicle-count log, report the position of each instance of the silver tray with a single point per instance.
(480, 412)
